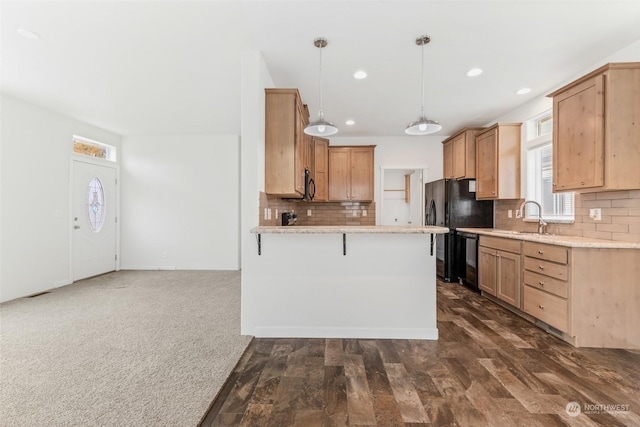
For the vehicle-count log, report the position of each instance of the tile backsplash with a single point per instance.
(322, 213)
(620, 216)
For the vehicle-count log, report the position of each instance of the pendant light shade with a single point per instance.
(422, 126)
(320, 127)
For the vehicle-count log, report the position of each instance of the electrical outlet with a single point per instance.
(595, 214)
(164, 254)
(308, 212)
(364, 212)
(510, 213)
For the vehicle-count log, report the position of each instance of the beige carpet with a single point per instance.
(133, 348)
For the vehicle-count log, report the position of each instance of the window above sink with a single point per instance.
(556, 207)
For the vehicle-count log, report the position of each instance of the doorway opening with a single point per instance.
(401, 196)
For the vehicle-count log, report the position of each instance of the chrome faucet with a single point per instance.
(542, 224)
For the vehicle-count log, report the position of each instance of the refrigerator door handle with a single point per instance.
(432, 213)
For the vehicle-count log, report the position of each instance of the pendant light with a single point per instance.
(320, 127)
(422, 126)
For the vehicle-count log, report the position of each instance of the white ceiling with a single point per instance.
(173, 67)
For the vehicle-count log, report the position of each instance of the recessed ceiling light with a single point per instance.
(28, 34)
(349, 123)
(523, 91)
(360, 75)
(474, 72)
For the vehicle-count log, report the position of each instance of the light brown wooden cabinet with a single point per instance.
(459, 154)
(351, 173)
(596, 130)
(499, 268)
(498, 162)
(321, 168)
(287, 148)
(447, 158)
(546, 284)
(578, 293)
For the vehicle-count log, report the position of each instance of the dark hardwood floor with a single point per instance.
(488, 368)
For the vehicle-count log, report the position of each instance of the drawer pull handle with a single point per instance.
(541, 267)
(541, 307)
(541, 283)
(541, 252)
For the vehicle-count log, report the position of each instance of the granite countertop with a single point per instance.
(554, 239)
(349, 229)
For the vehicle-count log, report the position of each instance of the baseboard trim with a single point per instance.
(354, 333)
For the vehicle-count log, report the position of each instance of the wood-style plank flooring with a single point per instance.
(488, 368)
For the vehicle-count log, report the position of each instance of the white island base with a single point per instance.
(323, 283)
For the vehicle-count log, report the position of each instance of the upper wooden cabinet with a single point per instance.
(351, 173)
(459, 154)
(498, 162)
(596, 129)
(288, 150)
(321, 168)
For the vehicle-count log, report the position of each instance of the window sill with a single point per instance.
(551, 220)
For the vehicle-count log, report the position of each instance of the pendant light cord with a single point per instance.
(320, 114)
(422, 82)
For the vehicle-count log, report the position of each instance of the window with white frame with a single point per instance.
(89, 147)
(558, 207)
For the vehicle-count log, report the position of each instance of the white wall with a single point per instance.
(255, 78)
(180, 202)
(34, 196)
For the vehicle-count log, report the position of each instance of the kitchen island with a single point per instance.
(341, 282)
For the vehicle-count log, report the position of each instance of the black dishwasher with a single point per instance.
(467, 259)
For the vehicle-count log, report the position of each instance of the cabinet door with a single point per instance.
(301, 149)
(578, 136)
(280, 136)
(362, 174)
(447, 156)
(321, 168)
(459, 157)
(487, 165)
(487, 264)
(339, 174)
(508, 268)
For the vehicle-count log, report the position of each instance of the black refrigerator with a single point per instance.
(450, 203)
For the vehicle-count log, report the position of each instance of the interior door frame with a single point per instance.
(96, 162)
(380, 203)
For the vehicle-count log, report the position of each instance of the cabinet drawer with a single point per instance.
(546, 283)
(547, 268)
(509, 245)
(546, 307)
(553, 253)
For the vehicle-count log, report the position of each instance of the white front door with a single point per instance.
(94, 219)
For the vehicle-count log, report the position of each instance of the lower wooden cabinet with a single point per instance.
(551, 309)
(577, 293)
(499, 265)
(546, 284)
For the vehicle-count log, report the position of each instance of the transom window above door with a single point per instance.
(89, 147)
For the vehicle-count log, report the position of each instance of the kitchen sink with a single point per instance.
(506, 231)
(522, 233)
